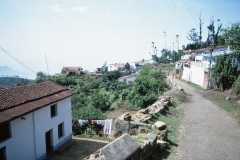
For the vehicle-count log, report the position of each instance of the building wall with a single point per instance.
(194, 74)
(20, 145)
(186, 74)
(111, 67)
(44, 115)
(197, 75)
(28, 136)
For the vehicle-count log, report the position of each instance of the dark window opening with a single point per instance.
(5, 131)
(53, 110)
(3, 153)
(60, 130)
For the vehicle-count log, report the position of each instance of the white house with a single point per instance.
(35, 120)
(198, 71)
(116, 66)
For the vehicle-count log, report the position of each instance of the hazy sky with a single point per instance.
(88, 33)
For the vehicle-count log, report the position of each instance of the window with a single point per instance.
(5, 131)
(2, 153)
(53, 110)
(60, 130)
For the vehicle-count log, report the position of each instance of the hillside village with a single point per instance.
(182, 102)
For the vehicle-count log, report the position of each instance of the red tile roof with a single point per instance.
(13, 96)
(18, 101)
(119, 64)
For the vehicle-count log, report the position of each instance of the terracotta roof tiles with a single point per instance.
(14, 96)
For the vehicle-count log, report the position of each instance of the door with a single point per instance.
(48, 142)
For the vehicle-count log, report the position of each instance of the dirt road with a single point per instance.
(207, 132)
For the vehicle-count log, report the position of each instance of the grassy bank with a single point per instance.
(172, 118)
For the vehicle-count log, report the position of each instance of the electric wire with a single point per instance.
(17, 60)
(181, 13)
(194, 8)
(190, 12)
(191, 9)
(175, 14)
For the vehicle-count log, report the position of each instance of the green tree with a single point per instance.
(127, 66)
(231, 34)
(223, 73)
(40, 77)
(146, 87)
(193, 36)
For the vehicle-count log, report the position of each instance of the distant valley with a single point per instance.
(6, 71)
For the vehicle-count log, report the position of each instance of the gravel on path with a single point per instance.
(207, 132)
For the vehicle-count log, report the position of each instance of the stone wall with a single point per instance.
(149, 137)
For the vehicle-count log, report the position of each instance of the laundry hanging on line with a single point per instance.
(83, 122)
(108, 126)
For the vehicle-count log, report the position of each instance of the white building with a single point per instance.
(198, 72)
(116, 66)
(35, 120)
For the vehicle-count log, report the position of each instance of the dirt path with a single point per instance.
(207, 132)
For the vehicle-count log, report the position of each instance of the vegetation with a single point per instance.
(231, 35)
(13, 81)
(173, 121)
(96, 96)
(223, 73)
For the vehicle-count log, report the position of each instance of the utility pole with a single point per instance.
(47, 64)
(177, 40)
(173, 53)
(165, 35)
(200, 24)
(211, 32)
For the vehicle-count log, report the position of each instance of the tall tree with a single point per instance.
(223, 73)
(193, 36)
(127, 66)
(212, 34)
(231, 34)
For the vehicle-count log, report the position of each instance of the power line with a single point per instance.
(191, 8)
(190, 12)
(181, 13)
(21, 63)
(194, 8)
(174, 13)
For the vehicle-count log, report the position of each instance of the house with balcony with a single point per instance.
(35, 120)
(198, 70)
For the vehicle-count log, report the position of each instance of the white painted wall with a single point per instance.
(193, 74)
(186, 74)
(20, 145)
(111, 67)
(197, 75)
(28, 140)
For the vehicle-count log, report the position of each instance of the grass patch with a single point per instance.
(173, 121)
(193, 85)
(220, 100)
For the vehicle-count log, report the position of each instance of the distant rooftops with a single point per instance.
(66, 70)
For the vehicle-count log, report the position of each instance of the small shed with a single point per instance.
(123, 148)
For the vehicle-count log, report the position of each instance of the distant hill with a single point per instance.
(12, 81)
(6, 71)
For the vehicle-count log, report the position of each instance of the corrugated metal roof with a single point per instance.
(25, 108)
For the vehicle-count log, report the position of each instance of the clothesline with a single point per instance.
(107, 124)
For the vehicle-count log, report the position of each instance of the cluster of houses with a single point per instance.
(196, 64)
(133, 65)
